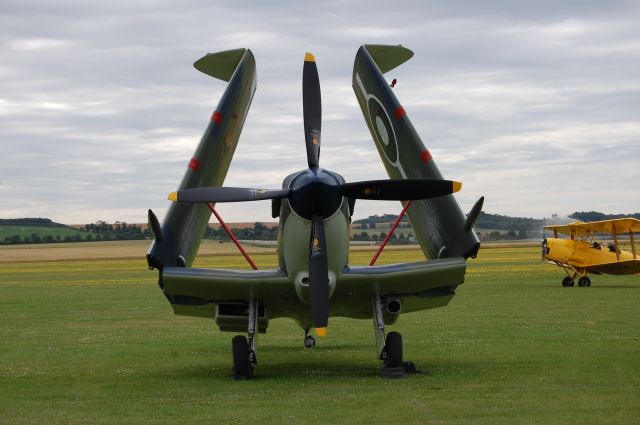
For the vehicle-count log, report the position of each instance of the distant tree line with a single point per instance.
(395, 239)
(99, 231)
(502, 228)
(38, 222)
(117, 231)
(372, 220)
(598, 216)
(503, 222)
(258, 232)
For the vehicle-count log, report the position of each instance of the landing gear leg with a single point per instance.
(309, 341)
(389, 347)
(244, 355)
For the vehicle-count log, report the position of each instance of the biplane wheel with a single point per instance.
(567, 281)
(393, 348)
(584, 281)
(241, 363)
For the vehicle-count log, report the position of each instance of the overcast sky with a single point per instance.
(535, 105)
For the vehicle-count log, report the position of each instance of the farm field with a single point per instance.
(88, 337)
(42, 231)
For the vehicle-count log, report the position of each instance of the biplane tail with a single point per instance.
(177, 240)
(442, 230)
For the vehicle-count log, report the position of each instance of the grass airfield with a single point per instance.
(89, 338)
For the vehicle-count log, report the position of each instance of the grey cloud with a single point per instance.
(100, 108)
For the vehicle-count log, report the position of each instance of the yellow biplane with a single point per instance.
(581, 253)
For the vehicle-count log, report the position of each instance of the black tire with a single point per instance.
(393, 348)
(309, 342)
(584, 281)
(241, 365)
(567, 281)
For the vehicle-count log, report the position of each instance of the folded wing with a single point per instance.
(185, 224)
(441, 228)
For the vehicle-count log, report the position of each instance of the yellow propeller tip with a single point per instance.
(321, 331)
(457, 186)
(308, 57)
(173, 196)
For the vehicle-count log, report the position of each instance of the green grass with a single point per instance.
(42, 231)
(96, 342)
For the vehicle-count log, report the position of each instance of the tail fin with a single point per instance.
(439, 223)
(184, 224)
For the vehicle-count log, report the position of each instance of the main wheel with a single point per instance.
(241, 364)
(309, 342)
(584, 281)
(567, 281)
(393, 348)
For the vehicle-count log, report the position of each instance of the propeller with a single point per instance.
(319, 277)
(311, 110)
(381, 190)
(316, 194)
(399, 190)
(226, 194)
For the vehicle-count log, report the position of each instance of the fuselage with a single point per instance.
(582, 254)
(316, 192)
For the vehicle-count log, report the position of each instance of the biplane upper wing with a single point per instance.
(185, 224)
(580, 228)
(442, 230)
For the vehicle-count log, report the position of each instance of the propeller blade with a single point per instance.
(399, 190)
(319, 278)
(312, 109)
(226, 194)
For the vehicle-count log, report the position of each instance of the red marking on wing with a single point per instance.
(400, 112)
(216, 117)
(194, 164)
(425, 156)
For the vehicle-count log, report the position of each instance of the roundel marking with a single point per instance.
(383, 129)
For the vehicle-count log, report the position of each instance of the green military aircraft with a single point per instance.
(314, 280)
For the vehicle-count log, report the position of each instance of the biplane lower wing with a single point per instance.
(442, 230)
(622, 267)
(185, 224)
